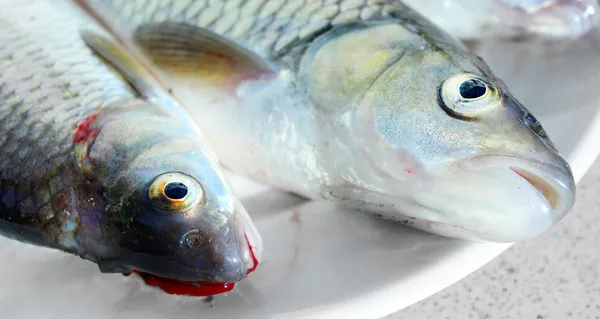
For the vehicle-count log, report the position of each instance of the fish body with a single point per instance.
(365, 103)
(511, 19)
(93, 167)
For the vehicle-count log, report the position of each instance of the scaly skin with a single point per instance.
(85, 163)
(47, 87)
(270, 27)
(360, 102)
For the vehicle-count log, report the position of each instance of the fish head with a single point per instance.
(475, 160)
(177, 216)
(187, 226)
(434, 133)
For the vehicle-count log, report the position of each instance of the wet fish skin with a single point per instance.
(269, 27)
(80, 152)
(366, 110)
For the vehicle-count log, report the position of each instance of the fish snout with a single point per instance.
(226, 257)
(533, 195)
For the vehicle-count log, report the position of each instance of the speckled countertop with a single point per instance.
(555, 276)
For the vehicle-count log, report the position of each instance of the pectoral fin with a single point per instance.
(185, 51)
(118, 56)
(135, 72)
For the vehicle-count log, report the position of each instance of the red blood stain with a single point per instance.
(85, 131)
(254, 260)
(192, 288)
(408, 170)
(189, 288)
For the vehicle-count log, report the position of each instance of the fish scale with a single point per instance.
(41, 107)
(86, 156)
(365, 103)
(269, 27)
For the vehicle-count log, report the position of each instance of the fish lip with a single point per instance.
(541, 185)
(554, 181)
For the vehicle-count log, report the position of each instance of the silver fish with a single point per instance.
(90, 167)
(511, 19)
(361, 102)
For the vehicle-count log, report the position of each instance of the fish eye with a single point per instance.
(175, 192)
(466, 95)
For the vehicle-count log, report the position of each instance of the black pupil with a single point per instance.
(176, 190)
(472, 89)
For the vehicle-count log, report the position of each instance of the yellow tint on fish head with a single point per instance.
(413, 106)
(344, 63)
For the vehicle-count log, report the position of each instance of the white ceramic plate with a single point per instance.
(321, 260)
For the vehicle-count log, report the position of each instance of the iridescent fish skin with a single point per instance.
(89, 167)
(365, 103)
(511, 19)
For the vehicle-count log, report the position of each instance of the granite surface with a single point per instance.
(555, 276)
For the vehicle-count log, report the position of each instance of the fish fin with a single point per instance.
(183, 50)
(136, 73)
(126, 64)
(111, 267)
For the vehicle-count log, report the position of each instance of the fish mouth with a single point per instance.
(553, 182)
(546, 189)
(495, 198)
(247, 247)
(531, 195)
(199, 288)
